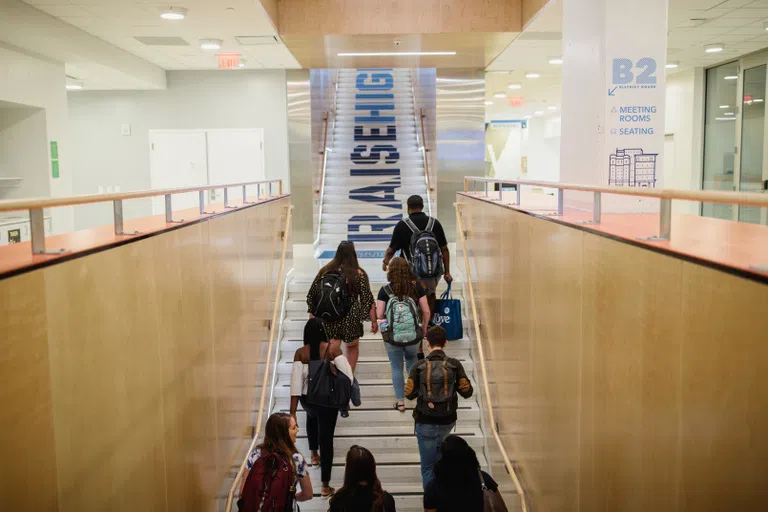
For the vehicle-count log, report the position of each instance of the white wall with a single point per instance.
(24, 152)
(36, 82)
(193, 100)
(541, 144)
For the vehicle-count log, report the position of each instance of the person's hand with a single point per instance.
(448, 277)
(426, 328)
(384, 266)
(374, 327)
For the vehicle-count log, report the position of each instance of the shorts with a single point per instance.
(430, 284)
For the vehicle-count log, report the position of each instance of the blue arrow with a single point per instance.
(611, 91)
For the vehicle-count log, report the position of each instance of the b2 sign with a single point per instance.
(642, 72)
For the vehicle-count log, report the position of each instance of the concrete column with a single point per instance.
(613, 96)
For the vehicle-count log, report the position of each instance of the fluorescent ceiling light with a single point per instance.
(392, 54)
(725, 119)
(489, 102)
(74, 86)
(173, 13)
(532, 75)
(552, 107)
(515, 86)
(731, 77)
(556, 60)
(757, 100)
(672, 65)
(728, 114)
(725, 106)
(210, 44)
(714, 48)
(499, 95)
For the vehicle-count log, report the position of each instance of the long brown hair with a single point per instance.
(277, 437)
(346, 260)
(362, 490)
(401, 278)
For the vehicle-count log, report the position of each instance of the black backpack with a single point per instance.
(332, 301)
(327, 386)
(426, 258)
(437, 388)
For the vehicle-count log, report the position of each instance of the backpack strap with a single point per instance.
(388, 290)
(445, 377)
(429, 379)
(410, 224)
(430, 224)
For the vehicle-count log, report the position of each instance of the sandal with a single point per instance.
(399, 406)
(315, 461)
(327, 492)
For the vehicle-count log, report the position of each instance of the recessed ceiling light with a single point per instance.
(539, 113)
(393, 54)
(725, 119)
(488, 102)
(532, 75)
(731, 77)
(499, 95)
(556, 60)
(757, 100)
(173, 13)
(728, 114)
(725, 106)
(672, 65)
(210, 44)
(74, 86)
(515, 85)
(714, 48)
(528, 117)
(765, 25)
(551, 107)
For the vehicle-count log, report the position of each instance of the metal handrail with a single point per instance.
(35, 206)
(492, 417)
(418, 117)
(664, 195)
(281, 282)
(324, 152)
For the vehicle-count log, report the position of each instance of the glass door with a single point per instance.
(752, 150)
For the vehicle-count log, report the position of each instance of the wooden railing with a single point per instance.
(274, 326)
(321, 181)
(665, 197)
(35, 206)
(481, 353)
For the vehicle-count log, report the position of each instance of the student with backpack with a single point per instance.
(321, 419)
(274, 469)
(459, 484)
(403, 313)
(435, 381)
(362, 490)
(421, 241)
(341, 296)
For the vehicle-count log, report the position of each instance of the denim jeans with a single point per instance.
(430, 437)
(396, 357)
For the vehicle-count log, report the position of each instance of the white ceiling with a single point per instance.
(119, 22)
(738, 24)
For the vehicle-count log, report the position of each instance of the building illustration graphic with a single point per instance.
(632, 168)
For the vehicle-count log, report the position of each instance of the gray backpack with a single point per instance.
(403, 326)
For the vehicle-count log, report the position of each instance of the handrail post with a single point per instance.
(201, 200)
(117, 209)
(665, 219)
(226, 199)
(169, 211)
(596, 210)
(245, 195)
(517, 193)
(37, 232)
(270, 189)
(560, 201)
(501, 192)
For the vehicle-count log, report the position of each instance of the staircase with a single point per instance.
(385, 431)
(374, 164)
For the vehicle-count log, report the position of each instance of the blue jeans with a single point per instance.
(430, 437)
(396, 356)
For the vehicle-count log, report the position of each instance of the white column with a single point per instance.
(613, 97)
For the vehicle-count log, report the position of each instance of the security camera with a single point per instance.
(397, 42)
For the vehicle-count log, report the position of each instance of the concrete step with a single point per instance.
(298, 288)
(395, 444)
(369, 366)
(376, 350)
(414, 177)
(369, 388)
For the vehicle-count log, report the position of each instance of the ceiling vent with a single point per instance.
(541, 36)
(256, 40)
(161, 41)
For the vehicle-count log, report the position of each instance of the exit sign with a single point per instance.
(229, 60)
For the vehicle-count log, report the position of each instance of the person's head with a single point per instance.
(346, 260)
(400, 276)
(457, 473)
(362, 489)
(280, 435)
(436, 338)
(415, 204)
(314, 332)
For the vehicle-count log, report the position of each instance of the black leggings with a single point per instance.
(321, 426)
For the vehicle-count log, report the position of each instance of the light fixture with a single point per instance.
(551, 107)
(725, 106)
(173, 13)
(499, 95)
(515, 85)
(728, 114)
(241, 63)
(672, 65)
(488, 102)
(528, 117)
(757, 100)
(765, 25)
(393, 54)
(74, 86)
(532, 75)
(556, 60)
(714, 48)
(725, 119)
(539, 113)
(210, 44)
(731, 77)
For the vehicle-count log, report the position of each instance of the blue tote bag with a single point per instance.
(447, 314)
